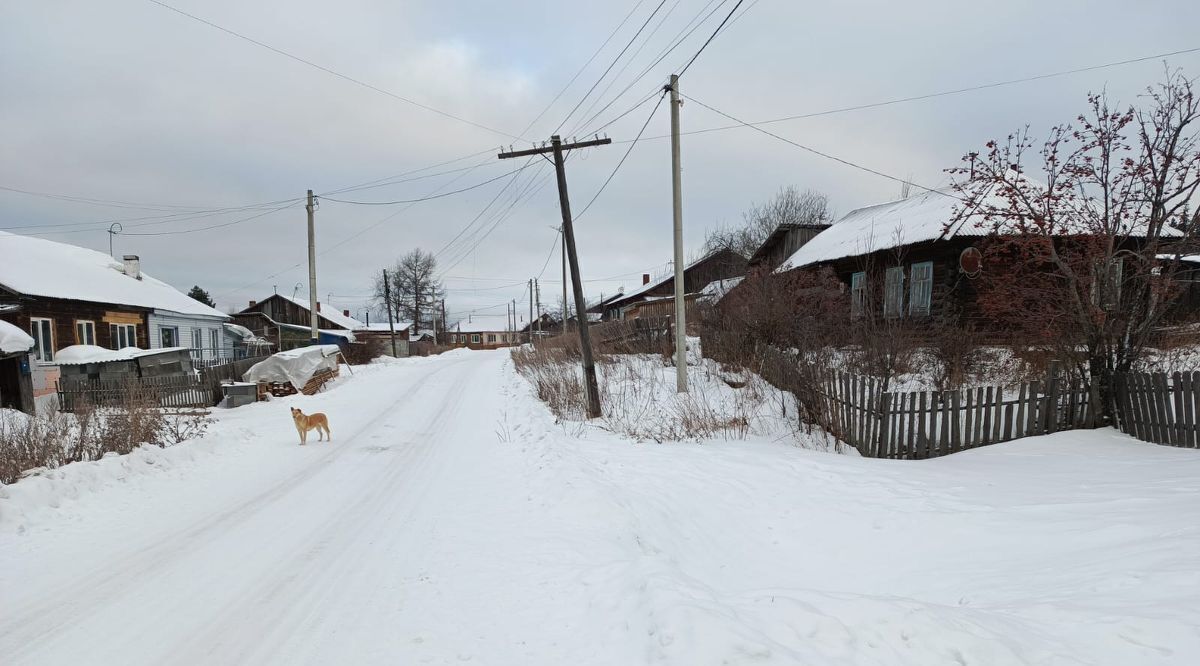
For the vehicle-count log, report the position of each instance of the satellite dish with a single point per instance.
(970, 262)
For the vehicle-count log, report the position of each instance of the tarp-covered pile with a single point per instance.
(296, 366)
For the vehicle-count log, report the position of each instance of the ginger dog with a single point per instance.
(304, 423)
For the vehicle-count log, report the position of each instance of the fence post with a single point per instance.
(1052, 398)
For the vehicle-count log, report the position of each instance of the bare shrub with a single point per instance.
(56, 439)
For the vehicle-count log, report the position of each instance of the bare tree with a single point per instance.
(1091, 253)
(790, 206)
(414, 288)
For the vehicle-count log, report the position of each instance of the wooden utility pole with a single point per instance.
(564, 203)
(537, 295)
(681, 383)
(565, 306)
(530, 311)
(387, 299)
(312, 269)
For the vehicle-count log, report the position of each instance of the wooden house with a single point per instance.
(16, 385)
(286, 322)
(64, 295)
(783, 243)
(908, 259)
(654, 298)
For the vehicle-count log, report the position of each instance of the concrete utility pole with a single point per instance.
(387, 299)
(312, 268)
(435, 340)
(564, 203)
(681, 382)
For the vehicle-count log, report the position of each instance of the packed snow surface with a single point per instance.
(13, 340)
(452, 521)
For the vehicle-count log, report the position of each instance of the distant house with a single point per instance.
(287, 322)
(602, 309)
(655, 298)
(483, 332)
(64, 295)
(382, 333)
(783, 243)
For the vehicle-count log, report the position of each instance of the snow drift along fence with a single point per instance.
(168, 391)
(925, 424)
(1158, 408)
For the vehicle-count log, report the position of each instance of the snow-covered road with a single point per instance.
(451, 521)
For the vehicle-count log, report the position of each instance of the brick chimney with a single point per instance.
(345, 313)
(318, 306)
(645, 278)
(253, 303)
(133, 266)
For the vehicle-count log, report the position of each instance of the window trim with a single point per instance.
(174, 336)
(38, 326)
(927, 295)
(474, 338)
(858, 294)
(197, 338)
(85, 324)
(114, 335)
(898, 289)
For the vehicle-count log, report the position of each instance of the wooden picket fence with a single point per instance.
(1159, 408)
(184, 391)
(928, 424)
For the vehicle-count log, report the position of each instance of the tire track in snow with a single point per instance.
(250, 630)
(27, 626)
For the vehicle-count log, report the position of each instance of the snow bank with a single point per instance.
(13, 340)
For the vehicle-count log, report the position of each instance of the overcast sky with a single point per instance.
(126, 101)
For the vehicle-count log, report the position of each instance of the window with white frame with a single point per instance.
(920, 288)
(1106, 282)
(168, 336)
(85, 332)
(214, 340)
(858, 294)
(42, 331)
(491, 337)
(893, 292)
(197, 338)
(122, 335)
(475, 338)
(453, 338)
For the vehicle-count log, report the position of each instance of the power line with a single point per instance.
(810, 149)
(610, 66)
(430, 197)
(710, 38)
(549, 256)
(208, 228)
(333, 72)
(680, 38)
(584, 66)
(943, 93)
(623, 158)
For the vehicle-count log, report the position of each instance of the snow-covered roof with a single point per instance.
(927, 216)
(39, 267)
(481, 324)
(922, 217)
(13, 340)
(329, 312)
(714, 291)
(82, 354)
